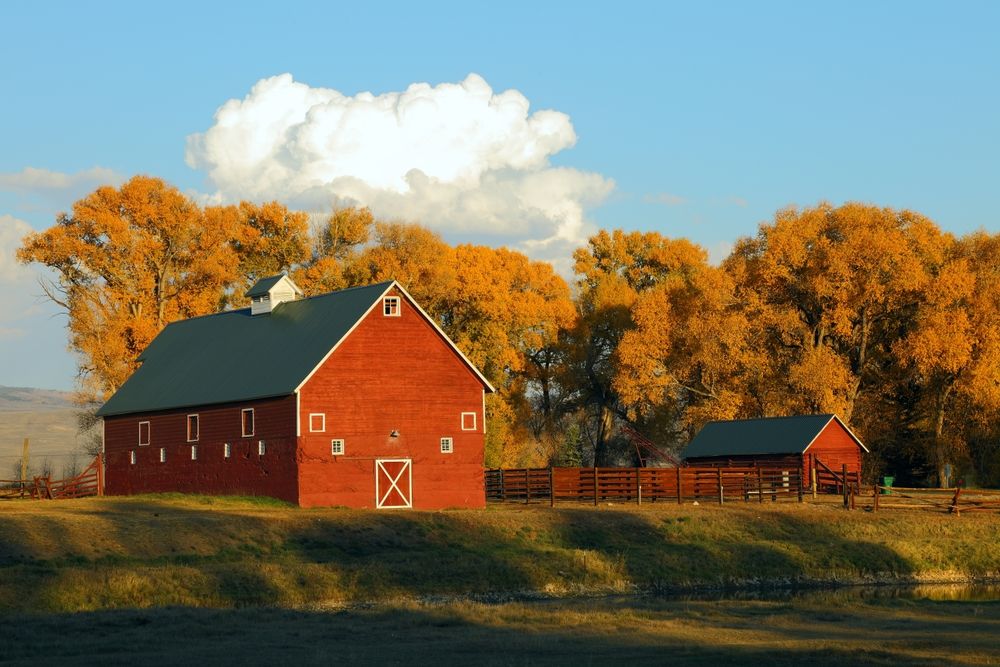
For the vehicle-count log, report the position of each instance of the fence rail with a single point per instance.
(90, 482)
(639, 485)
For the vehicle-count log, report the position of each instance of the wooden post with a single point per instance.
(24, 465)
(527, 486)
(954, 501)
(100, 474)
(718, 472)
(812, 472)
(798, 475)
(638, 486)
(595, 485)
(552, 489)
(760, 487)
(843, 478)
(503, 488)
(875, 498)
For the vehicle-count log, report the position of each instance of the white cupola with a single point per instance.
(269, 292)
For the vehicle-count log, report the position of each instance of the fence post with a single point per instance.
(812, 472)
(552, 488)
(678, 469)
(798, 475)
(760, 487)
(100, 474)
(638, 486)
(954, 501)
(595, 485)
(875, 497)
(843, 478)
(718, 474)
(503, 488)
(527, 486)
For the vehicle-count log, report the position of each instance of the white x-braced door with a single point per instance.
(393, 483)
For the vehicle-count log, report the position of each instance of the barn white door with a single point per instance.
(393, 483)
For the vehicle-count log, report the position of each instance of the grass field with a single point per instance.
(180, 579)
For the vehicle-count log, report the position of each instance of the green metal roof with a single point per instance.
(772, 435)
(233, 356)
(264, 285)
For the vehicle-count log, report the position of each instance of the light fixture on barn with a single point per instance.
(394, 433)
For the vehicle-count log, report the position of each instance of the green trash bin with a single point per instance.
(887, 481)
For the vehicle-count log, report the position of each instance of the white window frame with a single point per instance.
(163, 454)
(243, 422)
(474, 421)
(131, 458)
(261, 448)
(392, 306)
(334, 446)
(149, 434)
(194, 452)
(447, 445)
(227, 450)
(197, 427)
(322, 427)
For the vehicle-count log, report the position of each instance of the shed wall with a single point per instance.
(834, 447)
(392, 373)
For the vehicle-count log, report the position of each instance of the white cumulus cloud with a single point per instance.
(455, 156)
(12, 232)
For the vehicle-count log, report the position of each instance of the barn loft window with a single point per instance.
(468, 421)
(227, 450)
(317, 422)
(447, 446)
(131, 457)
(247, 417)
(143, 433)
(192, 423)
(261, 448)
(390, 306)
(336, 447)
(194, 452)
(163, 454)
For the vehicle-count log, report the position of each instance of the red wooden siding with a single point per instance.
(835, 447)
(392, 373)
(245, 472)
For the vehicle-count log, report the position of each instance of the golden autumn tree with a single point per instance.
(129, 260)
(334, 245)
(823, 288)
(952, 345)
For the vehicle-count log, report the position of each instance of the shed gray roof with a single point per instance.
(264, 285)
(771, 435)
(234, 356)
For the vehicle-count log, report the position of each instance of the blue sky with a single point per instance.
(694, 119)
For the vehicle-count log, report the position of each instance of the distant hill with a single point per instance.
(27, 398)
(48, 419)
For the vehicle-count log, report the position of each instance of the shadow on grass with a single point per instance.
(589, 633)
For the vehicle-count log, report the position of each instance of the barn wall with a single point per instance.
(835, 447)
(244, 473)
(392, 373)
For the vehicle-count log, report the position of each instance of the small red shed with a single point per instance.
(791, 442)
(353, 398)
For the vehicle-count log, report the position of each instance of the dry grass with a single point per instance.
(112, 553)
(815, 630)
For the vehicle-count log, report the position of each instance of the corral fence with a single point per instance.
(642, 485)
(955, 500)
(90, 482)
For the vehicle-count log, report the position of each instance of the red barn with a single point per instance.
(777, 442)
(352, 398)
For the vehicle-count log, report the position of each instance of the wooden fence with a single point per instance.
(955, 500)
(639, 485)
(90, 482)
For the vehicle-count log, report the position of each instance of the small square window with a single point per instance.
(247, 417)
(131, 457)
(447, 446)
(317, 422)
(390, 306)
(227, 450)
(336, 447)
(468, 421)
(163, 454)
(261, 448)
(192, 430)
(194, 452)
(143, 433)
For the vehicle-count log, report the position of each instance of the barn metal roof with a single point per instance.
(771, 435)
(233, 356)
